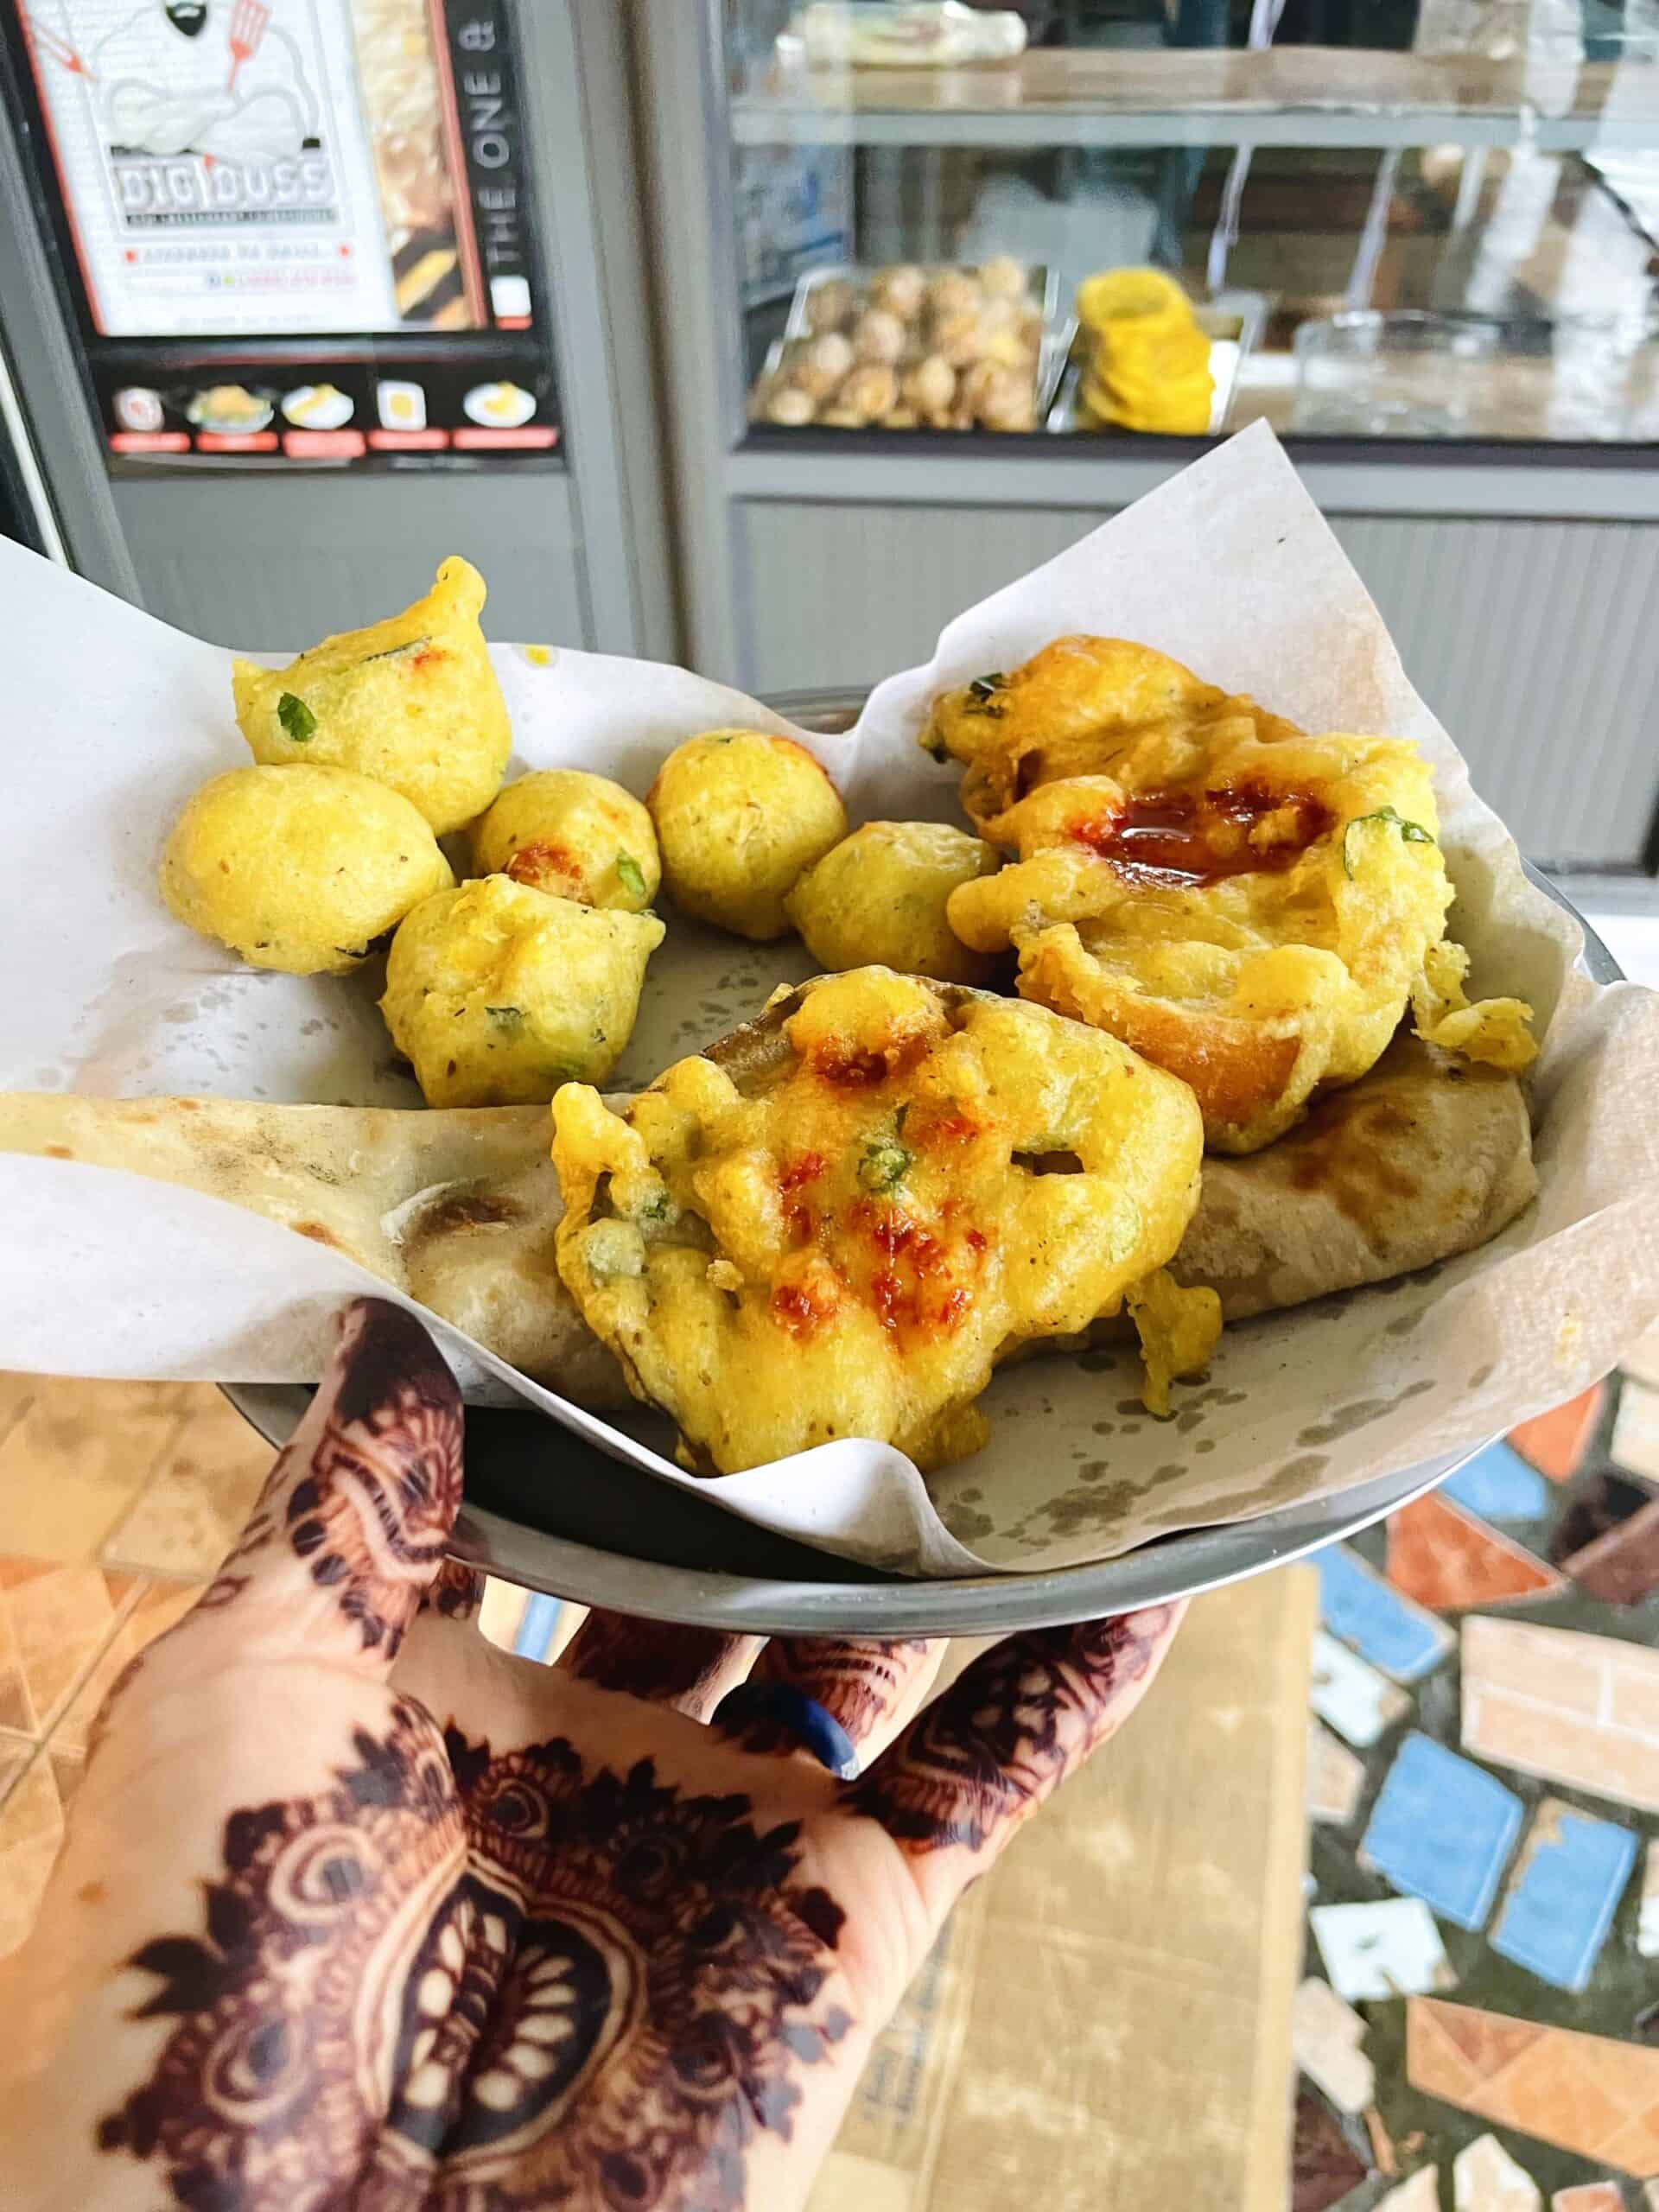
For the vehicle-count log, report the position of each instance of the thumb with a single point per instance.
(352, 1525)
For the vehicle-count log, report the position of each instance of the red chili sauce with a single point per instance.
(1189, 837)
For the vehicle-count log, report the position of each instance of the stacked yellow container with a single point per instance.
(1146, 363)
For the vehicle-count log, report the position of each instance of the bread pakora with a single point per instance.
(497, 993)
(574, 835)
(1422, 1159)
(299, 869)
(413, 702)
(741, 814)
(887, 1186)
(878, 899)
(1250, 907)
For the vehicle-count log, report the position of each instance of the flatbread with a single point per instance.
(1420, 1159)
(458, 1208)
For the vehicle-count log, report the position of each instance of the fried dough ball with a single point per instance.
(1004, 277)
(740, 815)
(878, 899)
(498, 994)
(1253, 911)
(412, 701)
(953, 291)
(792, 407)
(817, 365)
(1006, 401)
(830, 304)
(957, 338)
(840, 1233)
(574, 835)
(900, 290)
(931, 386)
(299, 869)
(868, 392)
(878, 336)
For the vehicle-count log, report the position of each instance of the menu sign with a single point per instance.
(285, 168)
(215, 165)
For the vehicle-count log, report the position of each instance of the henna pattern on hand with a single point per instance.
(604, 2007)
(373, 1511)
(687, 1668)
(455, 1592)
(860, 1682)
(994, 1746)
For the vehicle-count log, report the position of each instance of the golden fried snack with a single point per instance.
(1081, 707)
(878, 899)
(1420, 1159)
(740, 815)
(573, 834)
(412, 701)
(888, 1187)
(1248, 907)
(299, 869)
(498, 994)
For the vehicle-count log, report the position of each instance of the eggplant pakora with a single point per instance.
(1251, 907)
(889, 1186)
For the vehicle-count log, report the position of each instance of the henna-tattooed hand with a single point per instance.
(355, 1910)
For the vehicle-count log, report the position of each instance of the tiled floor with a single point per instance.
(116, 1500)
(1486, 1841)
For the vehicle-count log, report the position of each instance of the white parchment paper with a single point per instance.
(114, 720)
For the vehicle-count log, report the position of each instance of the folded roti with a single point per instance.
(1420, 1159)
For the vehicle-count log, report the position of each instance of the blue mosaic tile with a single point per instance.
(1561, 1904)
(1389, 1629)
(1500, 1485)
(1442, 1829)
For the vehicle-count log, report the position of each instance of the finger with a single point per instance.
(959, 1782)
(455, 1592)
(350, 1529)
(690, 1668)
(868, 1687)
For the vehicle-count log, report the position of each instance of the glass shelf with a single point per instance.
(1289, 96)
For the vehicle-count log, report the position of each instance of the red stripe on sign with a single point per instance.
(513, 322)
(148, 441)
(323, 445)
(409, 441)
(249, 442)
(535, 434)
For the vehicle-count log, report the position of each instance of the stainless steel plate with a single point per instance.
(547, 1511)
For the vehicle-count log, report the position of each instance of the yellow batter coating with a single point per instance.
(878, 898)
(1250, 908)
(740, 815)
(498, 994)
(574, 835)
(1076, 708)
(412, 701)
(299, 869)
(923, 1180)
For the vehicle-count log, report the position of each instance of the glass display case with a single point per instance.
(1077, 240)
(1427, 218)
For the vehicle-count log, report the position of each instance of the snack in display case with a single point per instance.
(1134, 371)
(911, 347)
(1146, 362)
(933, 34)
